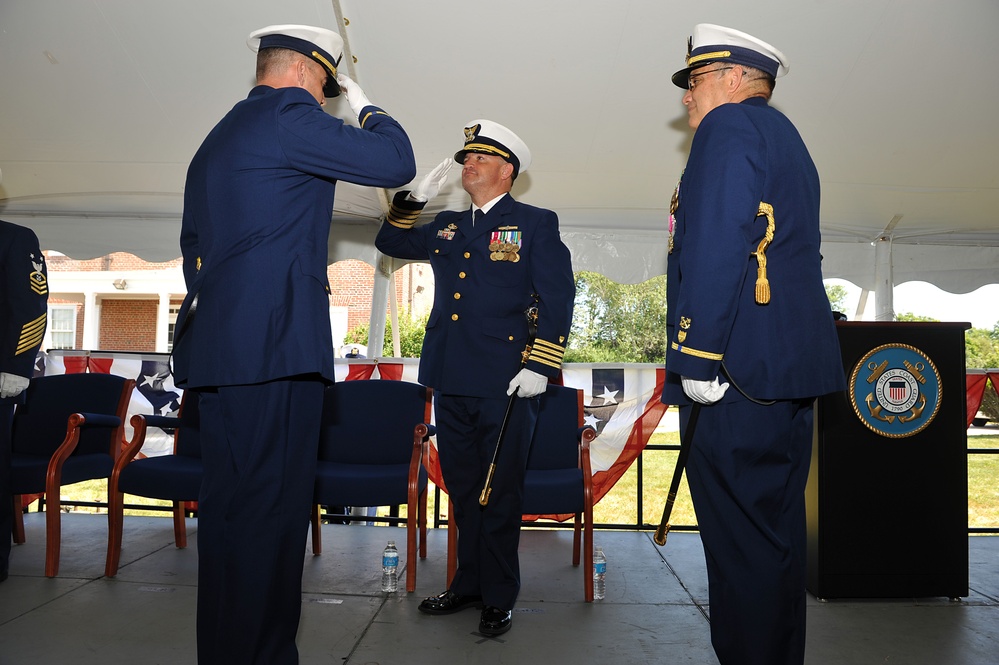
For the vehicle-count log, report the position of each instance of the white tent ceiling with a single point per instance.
(104, 102)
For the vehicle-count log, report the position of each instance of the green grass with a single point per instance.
(619, 505)
(983, 484)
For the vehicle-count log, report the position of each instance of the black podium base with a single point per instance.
(888, 511)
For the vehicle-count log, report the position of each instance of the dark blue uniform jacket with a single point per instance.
(257, 210)
(743, 155)
(477, 328)
(23, 301)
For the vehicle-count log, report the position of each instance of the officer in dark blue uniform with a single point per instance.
(746, 302)
(24, 293)
(488, 272)
(254, 331)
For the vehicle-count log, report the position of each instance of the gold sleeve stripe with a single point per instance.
(707, 355)
(545, 361)
(365, 118)
(546, 353)
(549, 346)
(31, 335)
(403, 212)
(402, 219)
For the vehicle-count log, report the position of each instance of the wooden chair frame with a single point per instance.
(53, 476)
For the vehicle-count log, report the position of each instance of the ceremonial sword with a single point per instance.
(681, 462)
(532, 331)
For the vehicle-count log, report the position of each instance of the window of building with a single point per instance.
(172, 325)
(62, 326)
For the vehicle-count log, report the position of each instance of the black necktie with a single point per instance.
(476, 216)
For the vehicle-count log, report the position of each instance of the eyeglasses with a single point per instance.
(691, 82)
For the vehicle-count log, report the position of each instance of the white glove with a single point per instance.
(431, 184)
(355, 96)
(705, 392)
(12, 385)
(529, 383)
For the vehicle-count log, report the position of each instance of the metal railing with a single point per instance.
(438, 520)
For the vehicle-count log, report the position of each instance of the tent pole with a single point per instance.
(379, 300)
(861, 305)
(884, 306)
(394, 313)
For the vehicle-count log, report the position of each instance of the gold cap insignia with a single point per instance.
(470, 133)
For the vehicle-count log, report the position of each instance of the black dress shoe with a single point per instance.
(449, 602)
(495, 621)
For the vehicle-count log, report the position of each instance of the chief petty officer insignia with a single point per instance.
(895, 390)
(39, 284)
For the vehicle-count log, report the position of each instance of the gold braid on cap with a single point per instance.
(329, 65)
(708, 56)
(762, 284)
(486, 148)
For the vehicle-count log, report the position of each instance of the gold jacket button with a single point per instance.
(468, 255)
(510, 338)
(454, 317)
(437, 251)
(461, 275)
(457, 296)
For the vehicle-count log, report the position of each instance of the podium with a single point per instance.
(887, 493)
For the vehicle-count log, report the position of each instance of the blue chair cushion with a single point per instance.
(28, 471)
(557, 491)
(339, 484)
(170, 477)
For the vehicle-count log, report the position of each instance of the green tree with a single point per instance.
(618, 322)
(981, 351)
(836, 293)
(981, 348)
(411, 333)
(909, 316)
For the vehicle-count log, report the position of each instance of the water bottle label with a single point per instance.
(600, 568)
(388, 561)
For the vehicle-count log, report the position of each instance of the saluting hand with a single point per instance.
(431, 184)
(355, 96)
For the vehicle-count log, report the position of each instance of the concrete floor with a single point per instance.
(655, 610)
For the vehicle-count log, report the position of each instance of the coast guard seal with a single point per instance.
(895, 390)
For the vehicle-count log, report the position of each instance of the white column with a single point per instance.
(884, 305)
(379, 301)
(162, 323)
(394, 313)
(861, 305)
(91, 322)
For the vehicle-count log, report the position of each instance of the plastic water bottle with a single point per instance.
(390, 567)
(599, 573)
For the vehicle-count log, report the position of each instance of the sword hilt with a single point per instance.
(487, 489)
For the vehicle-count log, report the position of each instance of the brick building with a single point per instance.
(119, 302)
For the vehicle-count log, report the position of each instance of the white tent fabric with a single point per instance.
(106, 101)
